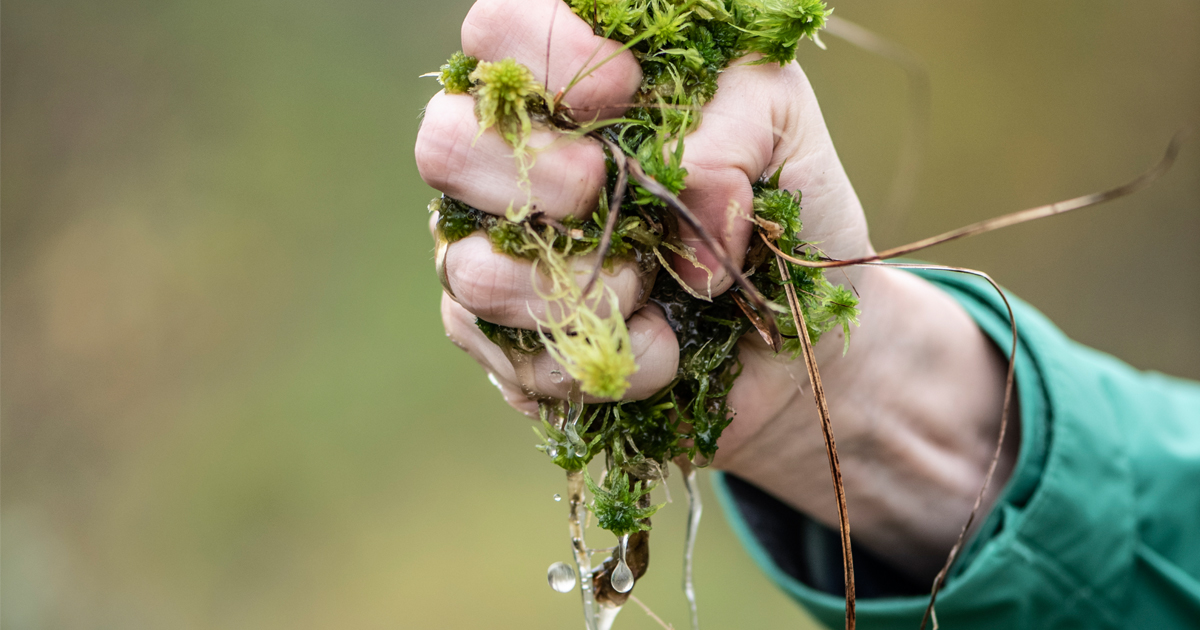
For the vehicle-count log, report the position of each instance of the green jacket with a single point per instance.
(1099, 525)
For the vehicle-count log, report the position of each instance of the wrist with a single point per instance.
(915, 404)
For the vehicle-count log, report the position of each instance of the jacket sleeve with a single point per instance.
(1098, 526)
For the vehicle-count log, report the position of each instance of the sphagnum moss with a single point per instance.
(682, 47)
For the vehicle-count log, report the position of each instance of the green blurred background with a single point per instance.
(227, 399)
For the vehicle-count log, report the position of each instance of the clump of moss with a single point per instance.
(774, 28)
(826, 305)
(616, 503)
(455, 74)
(596, 351)
(682, 47)
(505, 92)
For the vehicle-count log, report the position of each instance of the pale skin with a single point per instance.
(915, 401)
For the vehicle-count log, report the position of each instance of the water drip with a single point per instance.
(622, 576)
(561, 577)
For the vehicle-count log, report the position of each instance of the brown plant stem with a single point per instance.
(1009, 382)
(673, 202)
(835, 469)
(1022, 216)
(614, 212)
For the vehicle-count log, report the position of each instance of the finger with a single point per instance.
(483, 354)
(515, 396)
(499, 288)
(496, 29)
(724, 156)
(832, 214)
(764, 116)
(653, 344)
(480, 170)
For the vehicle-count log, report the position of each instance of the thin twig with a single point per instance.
(614, 211)
(549, 40)
(835, 469)
(583, 562)
(660, 191)
(653, 616)
(1009, 381)
(1031, 214)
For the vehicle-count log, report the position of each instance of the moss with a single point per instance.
(455, 74)
(616, 503)
(774, 28)
(595, 350)
(682, 47)
(510, 238)
(456, 220)
(511, 339)
(505, 92)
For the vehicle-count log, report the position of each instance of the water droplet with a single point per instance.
(561, 577)
(557, 498)
(556, 376)
(622, 578)
(552, 451)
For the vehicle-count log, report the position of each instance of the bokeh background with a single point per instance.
(227, 399)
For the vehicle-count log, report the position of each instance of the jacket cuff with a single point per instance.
(1034, 560)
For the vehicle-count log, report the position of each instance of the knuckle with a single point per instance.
(440, 150)
(486, 24)
(578, 176)
(482, 288)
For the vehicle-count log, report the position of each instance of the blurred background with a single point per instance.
(227, 399)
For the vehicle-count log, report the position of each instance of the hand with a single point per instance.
(915, 401)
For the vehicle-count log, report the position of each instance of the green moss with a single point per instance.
(774, 28)
(616, 503)
(682, 47)
(505, 93)
(455, 74)
(511, 339)
(510, 238)
(456, 220)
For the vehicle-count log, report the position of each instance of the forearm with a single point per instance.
(916, 408)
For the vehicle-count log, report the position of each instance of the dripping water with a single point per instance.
(622, 576)
(692, 487)
(583, 563)
(561, 577)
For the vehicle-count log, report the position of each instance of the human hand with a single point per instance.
(763, 116)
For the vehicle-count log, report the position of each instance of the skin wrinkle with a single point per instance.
(497, 287)
(912, 528)
(482, 172)
(490, 33)
(649, 335)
